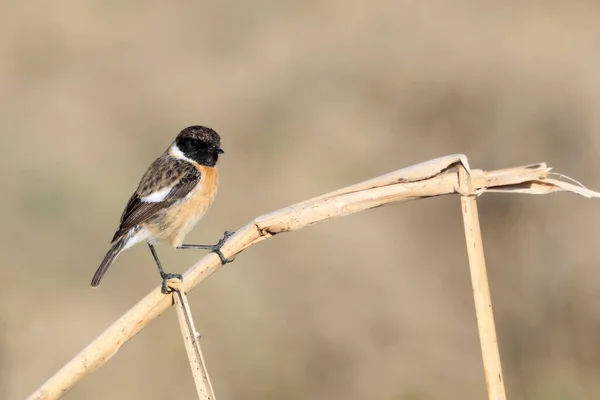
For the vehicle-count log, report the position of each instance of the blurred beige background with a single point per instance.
(308, 97)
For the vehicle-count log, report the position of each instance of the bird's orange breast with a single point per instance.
(181, 218)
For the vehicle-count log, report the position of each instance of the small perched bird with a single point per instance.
(171, 198)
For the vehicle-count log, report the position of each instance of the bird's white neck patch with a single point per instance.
(175, 152)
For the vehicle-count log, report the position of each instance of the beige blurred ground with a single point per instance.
(308, 97)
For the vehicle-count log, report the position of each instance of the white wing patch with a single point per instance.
(175, 152)
(158, 196)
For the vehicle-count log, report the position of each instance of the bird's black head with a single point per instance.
(200, 144)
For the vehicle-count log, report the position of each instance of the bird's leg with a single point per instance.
(165, 276)
(216, 248)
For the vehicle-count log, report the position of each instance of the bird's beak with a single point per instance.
(217, 150)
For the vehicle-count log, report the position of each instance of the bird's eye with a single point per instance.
(193, 142)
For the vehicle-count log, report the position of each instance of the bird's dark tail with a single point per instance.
(114, 251)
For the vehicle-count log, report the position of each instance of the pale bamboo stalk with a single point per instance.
(191, 339)
(432, 178)
(481, 292)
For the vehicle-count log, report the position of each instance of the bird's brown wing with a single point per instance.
(181, 176)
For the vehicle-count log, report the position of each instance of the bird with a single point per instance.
(172, 196)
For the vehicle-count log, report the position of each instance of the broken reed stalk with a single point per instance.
(432, 178)
(481, 291)
(191, 339)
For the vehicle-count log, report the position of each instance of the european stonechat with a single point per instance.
(171, 198)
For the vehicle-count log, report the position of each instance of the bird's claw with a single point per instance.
(220, 243)
(165, 277)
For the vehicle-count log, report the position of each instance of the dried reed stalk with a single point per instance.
(432, 178)
(481, 291)
(191, 339)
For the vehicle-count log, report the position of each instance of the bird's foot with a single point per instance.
(165, 284)
(217, 247)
